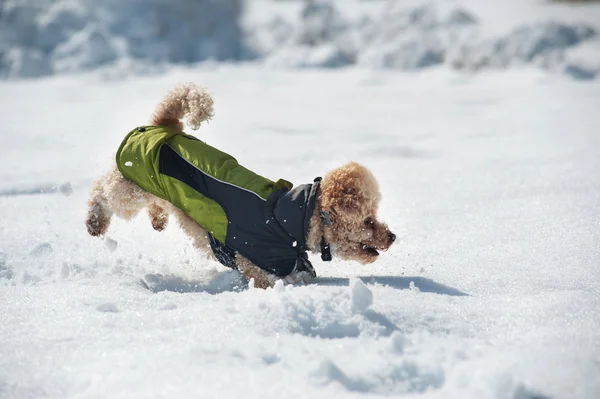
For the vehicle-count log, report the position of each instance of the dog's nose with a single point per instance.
(392, 237)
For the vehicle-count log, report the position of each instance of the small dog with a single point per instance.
(247, 222)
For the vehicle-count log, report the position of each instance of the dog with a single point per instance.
(247, 222)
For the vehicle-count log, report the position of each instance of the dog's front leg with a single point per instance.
(302, 277)
(262, 279)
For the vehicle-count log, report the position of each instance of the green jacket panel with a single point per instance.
(138, 159)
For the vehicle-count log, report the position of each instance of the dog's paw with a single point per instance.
(158, 217)
(302, 277)
(97, 221)
(159, 224)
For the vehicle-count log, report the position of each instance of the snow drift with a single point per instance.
(406, 38)
(44, 37)
(41, 37)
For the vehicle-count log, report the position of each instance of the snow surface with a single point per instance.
(490, 182)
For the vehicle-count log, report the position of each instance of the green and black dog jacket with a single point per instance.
(265, 221)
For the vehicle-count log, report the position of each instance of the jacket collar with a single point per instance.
(294, 209)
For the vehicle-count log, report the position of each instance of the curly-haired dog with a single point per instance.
(260, 227)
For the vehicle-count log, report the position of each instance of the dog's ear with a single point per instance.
(348, 201)
(345, 201)
(349, 189)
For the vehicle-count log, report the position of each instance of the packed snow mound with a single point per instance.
(399, 38)
(44, 37)
(41, 37)
(320, 37)
(542, 43)
(415, 38)
(583, 61)
(418, 37)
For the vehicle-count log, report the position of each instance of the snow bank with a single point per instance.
(542, 43)
(40, 37)
(415, 38)
(407, 38)
(44, 37)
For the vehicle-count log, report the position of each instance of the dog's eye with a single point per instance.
(369, 222)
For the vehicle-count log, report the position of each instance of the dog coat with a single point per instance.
(265, 221)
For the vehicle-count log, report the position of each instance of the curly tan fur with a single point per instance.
(186, 100)
(249, 270)
(349, 194)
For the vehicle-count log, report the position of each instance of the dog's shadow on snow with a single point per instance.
(216, 283)
(423, 284)
(232, 281)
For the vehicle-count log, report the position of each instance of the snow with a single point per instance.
(41, 37)
(416, 35)
(361, 296)
(491, 291)
(479, 121)
(65, 189)
(110, 244)
(120, 39)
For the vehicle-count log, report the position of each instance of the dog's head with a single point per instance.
(350, 195)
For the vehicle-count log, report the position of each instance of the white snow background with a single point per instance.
(132, 37)
(490, 180)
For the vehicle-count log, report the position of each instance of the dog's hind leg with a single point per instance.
(158, 216)
(125, 198)
(194, 231)
(99, 213)
(112, 195)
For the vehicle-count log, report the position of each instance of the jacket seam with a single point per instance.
(214, 178)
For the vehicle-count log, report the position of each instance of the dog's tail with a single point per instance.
(187, 100)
